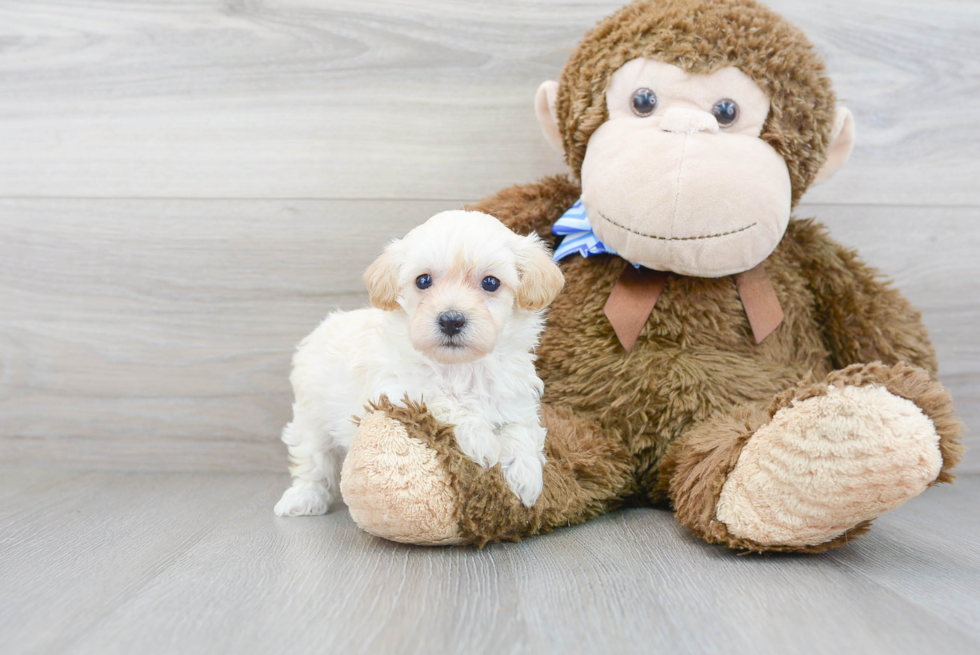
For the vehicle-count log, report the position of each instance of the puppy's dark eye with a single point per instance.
(423, 281)
(725, 112)
(644, 102)
(490, 283)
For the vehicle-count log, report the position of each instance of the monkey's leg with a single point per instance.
(405, 479)
(811, 470)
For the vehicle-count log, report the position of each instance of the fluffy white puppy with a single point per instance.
(458, 310)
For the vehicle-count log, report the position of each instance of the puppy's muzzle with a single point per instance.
(451, 323)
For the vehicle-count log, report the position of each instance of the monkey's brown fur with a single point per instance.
(584, 465)
(695, 482)
(668, 421)
(696, 363)
(703, 37)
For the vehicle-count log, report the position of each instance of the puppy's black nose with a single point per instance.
(451, 322)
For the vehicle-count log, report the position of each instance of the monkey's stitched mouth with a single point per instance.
(660, 238)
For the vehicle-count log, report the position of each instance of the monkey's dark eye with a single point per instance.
(644, 102)
(725, 112)
(490, 283)
(423, 281)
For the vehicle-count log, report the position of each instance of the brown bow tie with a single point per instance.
(637, 290)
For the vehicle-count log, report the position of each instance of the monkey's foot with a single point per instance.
(396, 487)
(836, 456)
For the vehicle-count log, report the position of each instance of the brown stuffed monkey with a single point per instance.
(709, 350)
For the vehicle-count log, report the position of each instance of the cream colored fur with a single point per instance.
(722, 197)
(842, 143)
(396, 487)
(482, 380)
(544, 108)
(827, 463)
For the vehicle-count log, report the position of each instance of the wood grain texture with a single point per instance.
(187, 188)
(197, 563)
(157, 334)
(166, 327)
(428, 99)
(103, 537)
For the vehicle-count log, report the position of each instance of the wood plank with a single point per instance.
(420, 100)
(89, 562)
(167, 327)
(908, 552)
(157, 334)
(83, 544)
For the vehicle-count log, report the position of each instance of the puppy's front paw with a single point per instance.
(303, 501)
(478, 442)
(524, 476)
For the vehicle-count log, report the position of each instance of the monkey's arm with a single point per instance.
(862, 317)
(527, 208)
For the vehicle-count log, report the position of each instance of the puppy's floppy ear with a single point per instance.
(541, 279)
(381, 279)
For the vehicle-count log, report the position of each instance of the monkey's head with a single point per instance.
(695, 127)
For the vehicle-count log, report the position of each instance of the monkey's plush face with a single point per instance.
(677, 179)
(686, 166)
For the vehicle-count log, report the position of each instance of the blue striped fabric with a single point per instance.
(574, 225)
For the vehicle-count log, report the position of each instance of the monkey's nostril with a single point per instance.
(451, 322)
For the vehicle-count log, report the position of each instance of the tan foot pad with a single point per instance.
(395, 486)
(828, 463)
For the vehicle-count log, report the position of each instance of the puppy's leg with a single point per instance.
(474, 434)
(315, 465)
(522, 459)
(477, 441)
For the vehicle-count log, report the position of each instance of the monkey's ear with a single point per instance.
(841, 143)
(381, 279)
(544, 107)
(541, 279)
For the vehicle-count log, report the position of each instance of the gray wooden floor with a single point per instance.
(111, 562)
(186, 188)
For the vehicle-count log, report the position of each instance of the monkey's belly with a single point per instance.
(695, 357)
(660, 393)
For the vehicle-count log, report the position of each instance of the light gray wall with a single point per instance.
(186, 189)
